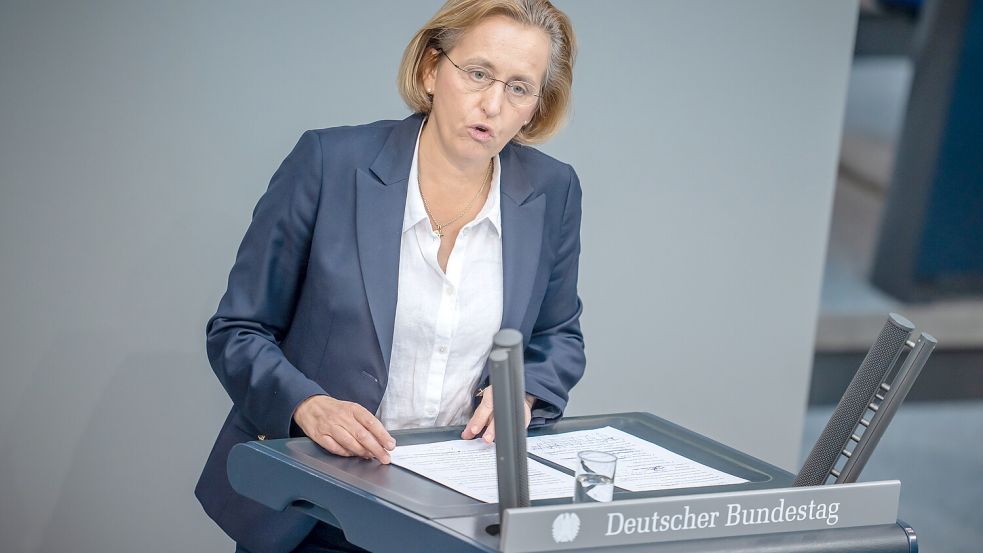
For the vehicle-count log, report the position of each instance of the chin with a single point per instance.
(473, 148)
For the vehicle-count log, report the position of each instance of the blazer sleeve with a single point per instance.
(243, 337)
(554, 356)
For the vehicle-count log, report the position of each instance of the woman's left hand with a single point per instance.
(483, 418)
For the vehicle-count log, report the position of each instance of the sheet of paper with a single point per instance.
(468, 466)
(642, 465)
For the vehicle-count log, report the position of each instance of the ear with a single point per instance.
(430, 69)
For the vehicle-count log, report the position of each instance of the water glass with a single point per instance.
(594, 477)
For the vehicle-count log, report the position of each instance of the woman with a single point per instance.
(383, 258)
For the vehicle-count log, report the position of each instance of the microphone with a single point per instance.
(856, 400)
(508, 394)
(884, 411)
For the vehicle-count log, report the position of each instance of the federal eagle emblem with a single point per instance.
(565, 527)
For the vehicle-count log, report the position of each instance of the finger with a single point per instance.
(489, 436)
(329, 443)
(478, 421)
(374, 426)
(367, 440)
(347, 441)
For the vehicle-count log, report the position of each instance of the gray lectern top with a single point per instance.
(387, 508)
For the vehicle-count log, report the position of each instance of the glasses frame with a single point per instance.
(493, 80)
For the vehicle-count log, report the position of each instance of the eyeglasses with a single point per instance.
(477, 78)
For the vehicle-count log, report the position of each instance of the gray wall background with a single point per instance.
(136, 136)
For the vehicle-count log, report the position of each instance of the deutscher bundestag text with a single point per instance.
(736, 515)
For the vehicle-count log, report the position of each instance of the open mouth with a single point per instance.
(480, 133)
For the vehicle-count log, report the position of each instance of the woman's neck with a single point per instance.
(435, 166)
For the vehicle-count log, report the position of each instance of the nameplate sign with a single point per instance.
(688, 517)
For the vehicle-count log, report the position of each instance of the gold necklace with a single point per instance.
(438, 231)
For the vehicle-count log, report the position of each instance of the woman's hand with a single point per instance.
(483, 417)
(344, 428)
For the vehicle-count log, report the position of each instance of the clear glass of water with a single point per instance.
(594, 477)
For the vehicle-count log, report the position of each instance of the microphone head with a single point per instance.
(498, 355)
(507, 338)
(852, 406)
(900, 322)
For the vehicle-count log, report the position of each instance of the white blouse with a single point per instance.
(444, 321)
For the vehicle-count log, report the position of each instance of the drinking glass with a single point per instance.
(594, 477)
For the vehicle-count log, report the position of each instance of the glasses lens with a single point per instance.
(520, 93)
(476, 78)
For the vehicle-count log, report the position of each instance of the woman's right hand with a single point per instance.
(344, 428)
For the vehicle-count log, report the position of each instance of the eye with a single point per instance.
(478, 75)
(519, 89)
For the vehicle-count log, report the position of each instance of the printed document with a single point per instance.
(642, 465)
(468, 466)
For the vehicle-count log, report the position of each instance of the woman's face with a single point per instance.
(473, 126)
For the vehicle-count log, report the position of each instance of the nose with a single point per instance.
(492, 99)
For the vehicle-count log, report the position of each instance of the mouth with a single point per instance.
(481, 133)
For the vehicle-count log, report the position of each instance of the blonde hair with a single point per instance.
(456, 17)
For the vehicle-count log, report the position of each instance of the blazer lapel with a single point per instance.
(522, 239)
(380, 202)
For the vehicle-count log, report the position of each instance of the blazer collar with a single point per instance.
(514, 181)
(393, 162)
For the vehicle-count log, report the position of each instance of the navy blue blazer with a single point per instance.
(311, 299)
